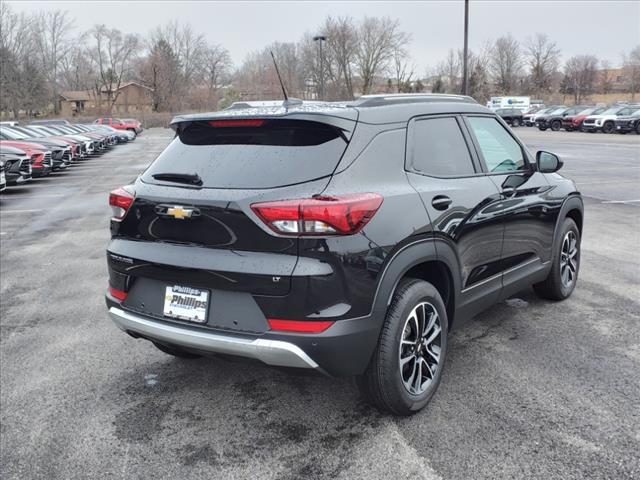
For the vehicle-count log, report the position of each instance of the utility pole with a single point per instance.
(320, 39)
(465, 59)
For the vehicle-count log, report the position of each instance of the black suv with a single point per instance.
(346, 238)
(553, 119)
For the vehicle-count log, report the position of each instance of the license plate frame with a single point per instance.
(186, 303)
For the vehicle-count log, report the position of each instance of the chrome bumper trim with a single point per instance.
(271, 352)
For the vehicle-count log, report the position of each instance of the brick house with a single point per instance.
(131, 98)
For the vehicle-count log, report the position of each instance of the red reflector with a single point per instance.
(299, 326)
(252, 122)
(120, 201)
(118, 294)
(325, 215)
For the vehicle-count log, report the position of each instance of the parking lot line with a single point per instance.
(621, 201)
(4, 212)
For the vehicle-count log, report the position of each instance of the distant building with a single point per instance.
(132, 97)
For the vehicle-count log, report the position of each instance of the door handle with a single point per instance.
(441, 202)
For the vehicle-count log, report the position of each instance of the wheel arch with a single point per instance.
(428, 259)
(572, 208)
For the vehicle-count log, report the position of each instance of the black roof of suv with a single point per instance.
(347, 238)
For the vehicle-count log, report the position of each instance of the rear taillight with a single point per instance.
(117, 294)
(322, 215)
(120, 200)
(299, 326)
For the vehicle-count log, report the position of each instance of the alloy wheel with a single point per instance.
(569, 259)
(420, 348)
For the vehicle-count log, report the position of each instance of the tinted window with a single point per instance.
(439, 149)
(271, 154)
(500, 151)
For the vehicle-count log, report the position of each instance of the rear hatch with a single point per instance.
(191, 222)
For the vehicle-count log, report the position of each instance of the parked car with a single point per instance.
(58, 121)
(61, 152)
(122, 136)
(39, 158)
(529, 119)
(134, 122)
(605, 121)
(630, 123)
(574, 122)
(77, 146)
(89, 145)
(17, 165)
(261, 256)
(119, 124)
(3, 178)
(553, 119)
(512, 116)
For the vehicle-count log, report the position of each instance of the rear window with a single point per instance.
(251, 153)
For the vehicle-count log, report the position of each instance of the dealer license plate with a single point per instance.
(186, 303)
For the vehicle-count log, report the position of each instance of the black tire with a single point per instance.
(515, 122)
(608, 127)
(383, 382)
(569, 129)
(554, 287)
(175, 351)
(556, 125)
(638, 128)
(542, 129)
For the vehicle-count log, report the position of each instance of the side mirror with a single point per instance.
(548, 162)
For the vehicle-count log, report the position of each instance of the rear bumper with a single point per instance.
(271, 352)
(344, 349)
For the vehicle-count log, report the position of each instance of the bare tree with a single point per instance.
(216, 66)
(341, 48)
(631, 68)
(580, 76)
(112, 53)
(377, 38)
(506, 64)
(450, 69)
(76, 69)
(22, 86)
(51, 33)
(403, 69)
(543, 58)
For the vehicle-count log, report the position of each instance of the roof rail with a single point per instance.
(400, 98)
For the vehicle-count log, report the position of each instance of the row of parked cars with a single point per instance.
(45, 146)
(585, 118)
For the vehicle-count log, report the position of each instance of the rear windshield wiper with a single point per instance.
(190, 178)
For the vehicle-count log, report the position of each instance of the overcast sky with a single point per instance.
(603, 28)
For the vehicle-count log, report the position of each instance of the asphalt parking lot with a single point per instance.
(532, 389)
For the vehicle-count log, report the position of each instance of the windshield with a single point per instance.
(13, 134)
(558, 111)
(611, 111)
(587, 111)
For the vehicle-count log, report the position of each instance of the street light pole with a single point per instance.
(465, 59)
(320, 39)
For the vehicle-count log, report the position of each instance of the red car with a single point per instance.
(121, 124)
(41, 163)
(574, 122)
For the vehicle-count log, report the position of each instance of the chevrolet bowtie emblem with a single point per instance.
(179, 212)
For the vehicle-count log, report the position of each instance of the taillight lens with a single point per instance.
(120, 200)
(117, 294)
(322, 215)
(299, 326)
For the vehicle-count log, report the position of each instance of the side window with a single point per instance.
(500, 151)
(438, 148)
